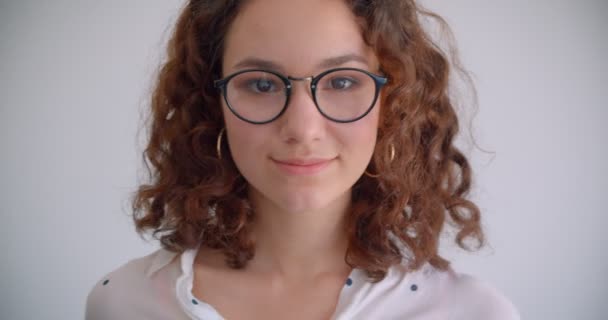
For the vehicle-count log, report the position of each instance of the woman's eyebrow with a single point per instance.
(340, 60)
(252, 62)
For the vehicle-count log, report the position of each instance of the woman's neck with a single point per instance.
(300, 244)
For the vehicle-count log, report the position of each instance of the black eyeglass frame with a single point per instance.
(379, 81)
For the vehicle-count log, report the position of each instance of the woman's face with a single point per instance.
(301, 161)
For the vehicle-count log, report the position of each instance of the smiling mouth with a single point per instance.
(302, 166)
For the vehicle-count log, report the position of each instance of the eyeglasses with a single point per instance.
(261, 96)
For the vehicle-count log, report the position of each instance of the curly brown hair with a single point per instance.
(195, 197)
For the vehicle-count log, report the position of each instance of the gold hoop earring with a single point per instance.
(371, 175)
(219, 144)
(392, 157)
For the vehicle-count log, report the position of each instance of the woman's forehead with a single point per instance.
(299, 34)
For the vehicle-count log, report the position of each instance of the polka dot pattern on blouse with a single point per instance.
(349, 282)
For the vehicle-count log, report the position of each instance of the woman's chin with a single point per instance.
(309, 203)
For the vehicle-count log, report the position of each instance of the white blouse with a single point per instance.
(159, 286)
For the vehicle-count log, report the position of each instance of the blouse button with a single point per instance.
(194, 302)
(349, 282)
(414, 287)
(106, 282)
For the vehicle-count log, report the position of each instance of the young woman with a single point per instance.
(303, 168)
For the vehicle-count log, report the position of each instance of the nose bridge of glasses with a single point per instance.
(309, 79)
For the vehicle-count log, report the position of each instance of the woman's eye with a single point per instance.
(262, 85)
(341, 83)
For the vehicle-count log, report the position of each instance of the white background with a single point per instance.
(75, 75)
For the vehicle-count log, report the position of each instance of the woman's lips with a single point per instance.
(302, 166)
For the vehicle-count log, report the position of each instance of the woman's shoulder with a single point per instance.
(432, 293)
(133, 285)
(426, 293)
(468, 297)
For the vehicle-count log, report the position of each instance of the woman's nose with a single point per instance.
(302, 122)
